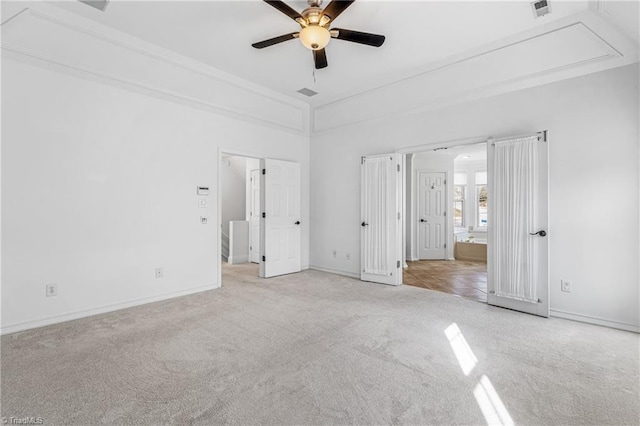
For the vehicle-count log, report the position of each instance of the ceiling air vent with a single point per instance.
(540, 8)
(98, 4)
(307, 92)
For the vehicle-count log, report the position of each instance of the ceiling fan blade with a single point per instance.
(359, 37)
(270, 42)
(336, 7)
(282, 7)
(320, 58)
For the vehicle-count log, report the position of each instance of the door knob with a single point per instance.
(541, 232)
(365, 224)
(422, 220)
(297, 222)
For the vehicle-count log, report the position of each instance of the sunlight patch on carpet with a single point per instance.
(461, 349)
(494, 411)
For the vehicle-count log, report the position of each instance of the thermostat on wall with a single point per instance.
(203, 190)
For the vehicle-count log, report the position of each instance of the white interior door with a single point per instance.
(432, 202)
(280, 222)
(254, 217)
(381, 225)
(518, 244)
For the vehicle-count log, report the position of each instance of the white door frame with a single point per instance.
(253, 213)
(226, 152)
(429, 147)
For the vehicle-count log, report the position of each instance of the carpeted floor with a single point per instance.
(316, 348)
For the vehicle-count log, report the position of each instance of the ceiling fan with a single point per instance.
(315, 33)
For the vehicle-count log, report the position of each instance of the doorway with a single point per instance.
(446, 192)
(514, 218)
(239, 197)
(259, 208)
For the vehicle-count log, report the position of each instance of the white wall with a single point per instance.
(593, 144)
(99, 189)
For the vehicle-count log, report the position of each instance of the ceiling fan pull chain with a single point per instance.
(314, 75)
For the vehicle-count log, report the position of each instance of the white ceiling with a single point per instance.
(419, 33)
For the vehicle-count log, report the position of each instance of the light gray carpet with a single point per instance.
(316, 348)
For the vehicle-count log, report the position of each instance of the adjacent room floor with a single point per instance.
(317, 348)
(464, 278)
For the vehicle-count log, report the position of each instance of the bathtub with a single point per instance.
(470, 246)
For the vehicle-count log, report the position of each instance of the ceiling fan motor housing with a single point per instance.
(312, 15)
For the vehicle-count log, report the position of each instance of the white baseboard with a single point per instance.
(558, 313)
(234, 260)
(335, 271)
(56, 319)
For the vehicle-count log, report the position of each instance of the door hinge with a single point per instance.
(445, 245)
(264, 259)
(398, 167)
(250, 248)
(264, 171)
(445, 213)
(398, 264)
(398, 215)
(264, 214)
(362, 160)
(445, 181)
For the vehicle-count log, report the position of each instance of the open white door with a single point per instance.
(280, 226)
(518, 247)
(381, 224)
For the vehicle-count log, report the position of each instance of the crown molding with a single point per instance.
(286, 113)
(602, 8)
(611, 49)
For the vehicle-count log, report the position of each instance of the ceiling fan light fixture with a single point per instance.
(315, 37)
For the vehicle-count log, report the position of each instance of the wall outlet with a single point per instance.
(565, 286)
(52, 290)
(159, 273)
(204, 220)
(348, 256)
(335, 252)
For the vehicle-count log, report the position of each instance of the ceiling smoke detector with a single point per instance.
(540, 8)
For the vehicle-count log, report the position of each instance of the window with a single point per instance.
(459, 195)
(481, 199)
